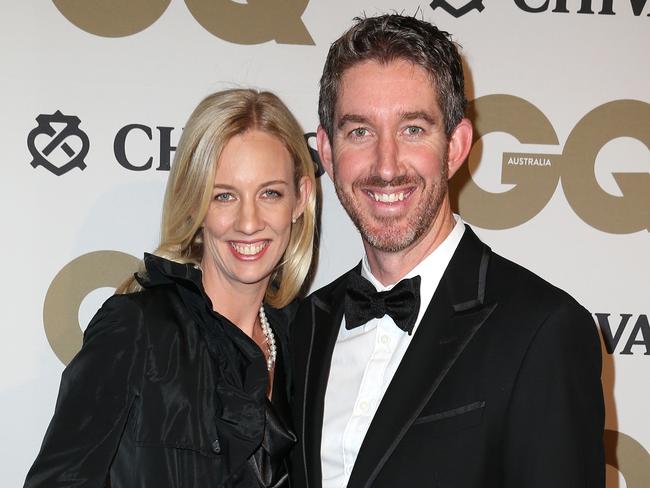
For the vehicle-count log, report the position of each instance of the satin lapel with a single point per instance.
(456, 312)
(327, 314)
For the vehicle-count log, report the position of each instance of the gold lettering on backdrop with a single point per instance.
(536, 176)
(255, 22)
(68, 289)
(616, 214)
(114, 18)
(629, 457)
(533, 188)
(252, 22)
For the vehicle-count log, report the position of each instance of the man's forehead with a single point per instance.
(399, 86)
(403, 65)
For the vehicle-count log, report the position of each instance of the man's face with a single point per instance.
(388, 154)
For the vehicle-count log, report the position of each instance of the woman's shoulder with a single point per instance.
(137, 302)
(131, 311)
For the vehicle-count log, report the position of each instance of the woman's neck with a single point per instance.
(239, 303)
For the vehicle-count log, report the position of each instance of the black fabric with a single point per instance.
(364, 303)
(165, 392)
(499, 387)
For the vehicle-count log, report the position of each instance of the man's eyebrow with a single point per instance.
(360, 119)
(351, 119)
(427, 117)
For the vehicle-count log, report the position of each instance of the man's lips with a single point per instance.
(249, 250)
(389, 195)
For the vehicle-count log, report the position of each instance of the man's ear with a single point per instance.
(459, 146)
(304, 192)
(324, 150)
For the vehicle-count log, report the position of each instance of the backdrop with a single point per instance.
(95, 94)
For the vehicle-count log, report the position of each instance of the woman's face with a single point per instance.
(254, 199)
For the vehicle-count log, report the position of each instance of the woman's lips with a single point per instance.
(249, 251)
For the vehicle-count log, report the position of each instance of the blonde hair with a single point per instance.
(217, 119)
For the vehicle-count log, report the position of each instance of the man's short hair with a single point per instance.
(389, 38)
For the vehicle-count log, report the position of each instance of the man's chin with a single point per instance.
(388, 238)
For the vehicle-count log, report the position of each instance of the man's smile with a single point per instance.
(386, 196)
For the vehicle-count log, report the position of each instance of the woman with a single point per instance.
(182, 379)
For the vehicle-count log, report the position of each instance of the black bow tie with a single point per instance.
(363, 303)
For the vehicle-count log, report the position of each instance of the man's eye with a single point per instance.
(359, 132)
(224, 197)
(413, 130)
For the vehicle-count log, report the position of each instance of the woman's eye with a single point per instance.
(413, 130)
(269, 193)
(223, 197)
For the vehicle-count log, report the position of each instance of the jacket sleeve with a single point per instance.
(556, 416)
(97, 391)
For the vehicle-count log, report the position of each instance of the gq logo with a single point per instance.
(253, 22)
(536, 176)
(58, 150)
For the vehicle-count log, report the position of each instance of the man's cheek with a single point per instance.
(352, 163)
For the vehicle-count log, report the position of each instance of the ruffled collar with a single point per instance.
(242, 378)
(161, 271)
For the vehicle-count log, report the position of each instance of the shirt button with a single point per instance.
(385, 339)
(348, 469)
(216, 447)
(363, 406)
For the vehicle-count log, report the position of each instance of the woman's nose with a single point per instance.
(249, 219)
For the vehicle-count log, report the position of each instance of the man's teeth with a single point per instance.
(388, 197)
(248, 249)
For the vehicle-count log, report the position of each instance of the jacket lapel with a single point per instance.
(327, 313)
(456, 312)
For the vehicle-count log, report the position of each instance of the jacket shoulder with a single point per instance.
(148, 313)
(508, 277)
(119, 313)
(538, 303)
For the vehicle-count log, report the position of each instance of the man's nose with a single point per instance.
(387, 166)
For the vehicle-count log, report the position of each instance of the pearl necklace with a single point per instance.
(270, 339)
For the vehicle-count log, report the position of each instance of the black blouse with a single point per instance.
(165, 392)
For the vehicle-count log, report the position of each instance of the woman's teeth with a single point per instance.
(249, 249)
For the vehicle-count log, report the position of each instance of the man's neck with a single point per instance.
(390, 267)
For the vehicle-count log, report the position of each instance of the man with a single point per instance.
(471, 371)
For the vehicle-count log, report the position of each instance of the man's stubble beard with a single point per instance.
(380, 232)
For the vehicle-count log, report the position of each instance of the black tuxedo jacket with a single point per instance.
(499, 388)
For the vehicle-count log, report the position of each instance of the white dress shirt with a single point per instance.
(363, 364)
